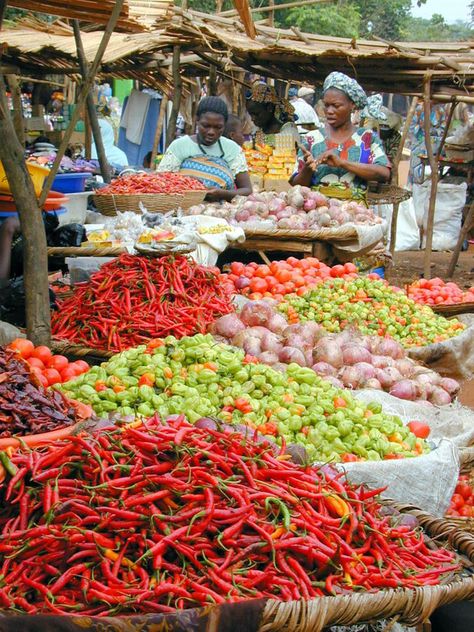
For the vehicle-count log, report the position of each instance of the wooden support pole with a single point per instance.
(446, 129)
(91, 117)
(35, 259)
(434, 176)
(178, 89)
(15, 90)
(405, 132)
(468, 224)
(87, 134)
(212, 83)
(85, 88)
(159, 129)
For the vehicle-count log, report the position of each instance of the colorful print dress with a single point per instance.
(364, 146)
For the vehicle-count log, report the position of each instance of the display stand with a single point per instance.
(390, 194)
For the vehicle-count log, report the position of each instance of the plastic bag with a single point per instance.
(450, 200)
(12, 302)
(69, 235)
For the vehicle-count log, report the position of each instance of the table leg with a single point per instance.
(393, 227)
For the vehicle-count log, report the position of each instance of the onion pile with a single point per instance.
(347, 359)
(300, 208)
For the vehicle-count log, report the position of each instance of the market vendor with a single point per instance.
(270, 113)
(209, 156)
(340, 151)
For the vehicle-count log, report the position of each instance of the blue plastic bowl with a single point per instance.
(70, 182)
(380, 271)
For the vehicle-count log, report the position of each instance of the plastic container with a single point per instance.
(59, 212)
(53, 201)
(76, 208)
(70, 182)
(380, 271)
(38, 175)
(82, 268)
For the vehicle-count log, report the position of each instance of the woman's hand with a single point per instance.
(214, 195)
(330, 158)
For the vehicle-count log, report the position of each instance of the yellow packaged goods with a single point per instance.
(276, 172)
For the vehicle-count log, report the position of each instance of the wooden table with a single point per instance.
(322, 250)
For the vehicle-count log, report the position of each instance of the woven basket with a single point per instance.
(339, 193)
(466, 461)
(410, 607)
(153, 202)
(63, 347)
(341, 233)
(388, 194)
(453, 310)
(112, 251)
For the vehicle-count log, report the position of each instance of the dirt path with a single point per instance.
(408, 266)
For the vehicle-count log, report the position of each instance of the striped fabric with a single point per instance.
(212, 171)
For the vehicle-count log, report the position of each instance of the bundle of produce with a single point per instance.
(373, 307)
(437, 292)
(160, 517)
(49, 369)
(133, 299)
(462, 501)
(287, 276)
(139, 183)
(300, 208)
(347, 359)
(210, 379)
(25, 406)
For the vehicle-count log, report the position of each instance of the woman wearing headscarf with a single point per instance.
(270, 113)
(340, 151)
(115, 156)
(209, 156)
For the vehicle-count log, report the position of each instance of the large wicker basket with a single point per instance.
(339, 233)
(466, 459)
(453, 310)
(153, 202)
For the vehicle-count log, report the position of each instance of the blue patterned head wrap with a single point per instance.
(350, 87)
(374, 108)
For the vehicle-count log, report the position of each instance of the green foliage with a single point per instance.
(436, 30)
(384, 18)
(341, 20)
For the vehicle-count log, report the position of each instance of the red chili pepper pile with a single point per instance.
(151, 183)
(132, 299)
(26, 407)
(162, 516)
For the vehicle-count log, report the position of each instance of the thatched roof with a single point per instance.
(279, 53)
(135, 16)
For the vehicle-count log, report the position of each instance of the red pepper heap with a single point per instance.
(133, 299)
(166, 515)
(158, 183)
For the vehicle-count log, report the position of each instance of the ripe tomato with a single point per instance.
(298, 280)
(80, 364)
(24, 347)
(35, 363)
(289, 287)
(67, 374)
(419, 429)
(350, 268)
(42, 353)
(271, 282)
(53, 376)
(258, 285)
(58, 362)
(283, 276)
(466, 511)
(292, 261)
(236, 267)
(457, 501)
(337, 271)
(464, 489)
(262, 271)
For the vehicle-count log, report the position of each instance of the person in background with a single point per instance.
(115, 156)
(270, 113)
(147, 160)
(306, 117)
(234, 130)
(341, 152)
(387, 123)
(438, 119)
(209, 156)
(9, 230)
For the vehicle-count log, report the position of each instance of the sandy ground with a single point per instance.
(408, 266)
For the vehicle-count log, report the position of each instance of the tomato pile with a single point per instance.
(437, 292)
(151, 183)
(282, 277)
(462, 502)
(50, 369)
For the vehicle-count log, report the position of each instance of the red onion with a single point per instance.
(271, 342)
(309, 205)
(333, 380)
(384, 378)
(242, 282)
(367, 371)
(351, 376)
(257, 332)
(268, 357)
(354, 353)
(373, 383)
(405, 389)
(390, 347)
(323, 368)
(252, 346)
(228, 325)
(405, 366)
(308, 356)
(439, 397)
(277, 323)
(256, 313)
(294, 340)
(450, 386)
(290, 354)
(328, 350)
(279, 366)
(206, 423)
(380, 362)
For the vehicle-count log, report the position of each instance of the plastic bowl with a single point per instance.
(70, 182)
(54, 201)
(38, 175)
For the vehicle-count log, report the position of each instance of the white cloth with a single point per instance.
(134, 117)
(115, 156)
(305, 113)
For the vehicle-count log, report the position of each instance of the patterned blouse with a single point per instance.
(364, 146)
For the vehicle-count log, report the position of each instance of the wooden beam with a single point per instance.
(86, 86)
(245, 14)
(15, 91)
(446, 129)
(35, 260)
(94, 126)
(468, 224)
(405, 132)
(159, 129)
(286, 5)
(178, 89)
(434, 176)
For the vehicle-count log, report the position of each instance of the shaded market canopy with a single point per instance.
(279, 53)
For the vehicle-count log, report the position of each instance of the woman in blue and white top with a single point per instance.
(209, 156)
